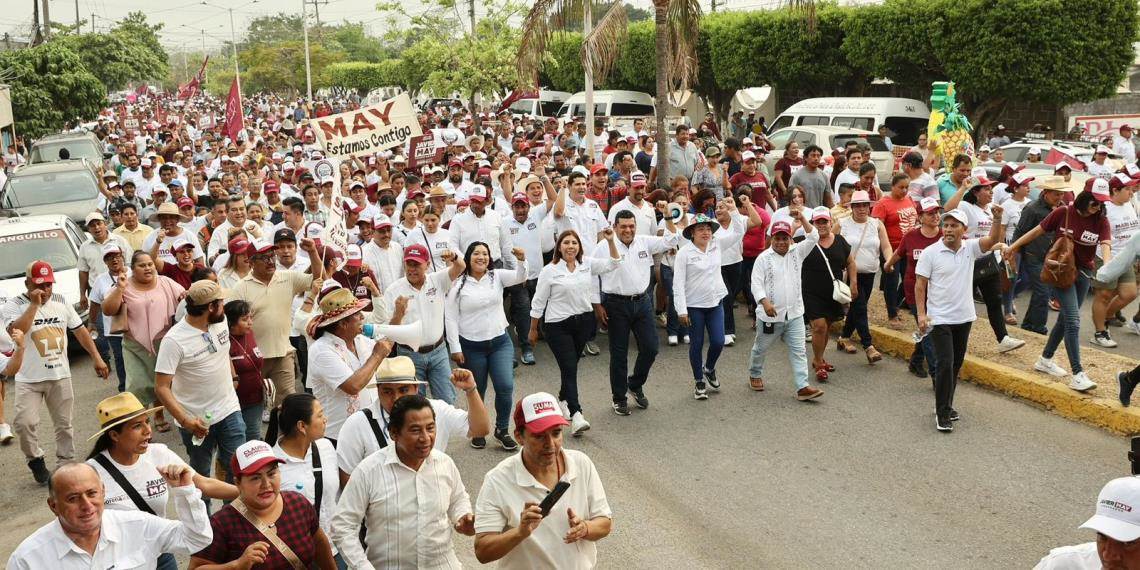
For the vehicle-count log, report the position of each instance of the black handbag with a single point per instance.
(986, 267)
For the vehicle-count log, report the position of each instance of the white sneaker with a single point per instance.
(1047, 366)
(672, 340)
(565, 408)
(1081, 382)
(265, 416)
(1102, 339)
(729, 339)
(686, 339)
(5, 434)
(578, 424)
(1009, 343)
(1132, 326)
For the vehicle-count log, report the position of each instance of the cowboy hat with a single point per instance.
(119, 409)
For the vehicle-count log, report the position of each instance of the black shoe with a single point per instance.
(621, 408)
(943, 424)
(39, 470)
(639, 398)
(1126, 388)
(699, 392)
(710, 377)
(954, 415)
(918, 369)
(478, 442)
(506, 440)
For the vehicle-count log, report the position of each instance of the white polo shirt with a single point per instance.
(951, 276)
(330, 364)
(425, 305)
(509, 486)
(532, 236)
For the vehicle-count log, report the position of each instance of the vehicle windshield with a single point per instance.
(875, 141)
(631, 110)
(549, 108)
(78, 148)
(49, 188)
(22, 249)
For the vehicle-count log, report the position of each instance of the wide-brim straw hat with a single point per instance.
(119, 409)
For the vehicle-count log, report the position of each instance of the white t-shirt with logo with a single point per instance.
(143, 476)
(425, 305)
(99, 291)
(46, 355)
(1122, 222)
(200, 364)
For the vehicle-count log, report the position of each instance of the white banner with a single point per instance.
(367, 130)
(335, 234)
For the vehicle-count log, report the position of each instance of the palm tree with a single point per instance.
(677, 24)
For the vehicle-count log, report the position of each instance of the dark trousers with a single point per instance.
(745, 283)
(856, 320)
(892, 287)
(519, 312)
(1036, 317)
(949, 351)
(731, 275)
(298, 343)
(566, 339)
(673, 325)
(991, 294)
(924, 350)
(626, 316)
(112, 347)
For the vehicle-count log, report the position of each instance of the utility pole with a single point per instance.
(308, 69)
(77, 16)
(93, 22)
(233, 44)
(37, 33)
(713, 2)
(471, 15)
(317, 10)
(47, 22)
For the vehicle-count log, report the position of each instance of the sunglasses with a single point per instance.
(213, 348)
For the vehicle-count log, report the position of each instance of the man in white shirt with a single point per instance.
(419, 297)
(458, 185)
(574, 211)
(944, 271)
(195, 379)
(528, 231)
(409, 494)
(509, 525)
(1117, 527)
(85, 535)
(382, 255)
(780, 306)
(1122, 145)
(90, 262)
(480, 224)
(643, 212)
(850, 175)
(235, 218)
(46, 319)
(367, 430)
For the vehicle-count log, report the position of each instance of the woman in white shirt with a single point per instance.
(1110, 297)
(868, 237)
(697, 292)
(1018, 190)
(431, 236)
(409, 222)
(563, 296)
(297, 433)
(123, 452)
(237, 264)
(729, 233)
(476, 327)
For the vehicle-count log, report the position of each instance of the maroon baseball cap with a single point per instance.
(519, 197)
(781, 227)
(417, 253)
(40, 272)
(185, 202)
(271, 186)
(238, 245)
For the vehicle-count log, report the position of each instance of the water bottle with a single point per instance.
(198, 440)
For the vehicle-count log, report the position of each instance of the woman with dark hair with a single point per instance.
(826, 263)
(698, 290)
(792, 208)
(703, 202)
(431, 235)
(899, 215)
(1085, 224)
(409, 222)
(247, 362)
(127, 462)
(562, 296)
(673, 329)
(785, 167)
(476, 326)
(755, 241)
(150, 301)
(297, 433)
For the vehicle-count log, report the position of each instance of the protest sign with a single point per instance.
(366, 131)
(335, 234)
(423, 150)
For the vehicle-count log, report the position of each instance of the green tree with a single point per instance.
(273, 29)
(358, 46)
(51, 87)
(363, 76)
(135, 28)
(116, 59)
(562, 66)
(281, 67)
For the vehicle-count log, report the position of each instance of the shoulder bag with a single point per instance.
(1060, 267)
(269, 533)
(125, 485)
(840, 291)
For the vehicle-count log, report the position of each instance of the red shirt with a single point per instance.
(898, 216)
(296, 527)
(761, 192)
(355, 284)
(756, 239)
(247, 361)
(606, 198)
(786, 168)
(179, 276)
(1087, 232)
(912, 245)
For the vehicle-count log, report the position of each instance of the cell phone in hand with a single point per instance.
(552, 497)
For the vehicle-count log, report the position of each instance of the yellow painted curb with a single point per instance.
(1104, 413)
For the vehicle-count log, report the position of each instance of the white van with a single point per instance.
(617, 108)
(545, 105)
(906, 118)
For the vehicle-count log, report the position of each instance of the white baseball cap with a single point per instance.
(1034, 151)
(1101, 149)
(251, 457)
(929, 204)
(957, 215)
(747, 155)
(538, 413)
(1118, 510)
(985, 148)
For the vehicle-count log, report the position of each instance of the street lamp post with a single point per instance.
(308, 69)
(233, 44)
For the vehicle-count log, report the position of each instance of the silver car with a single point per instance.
(68, 187)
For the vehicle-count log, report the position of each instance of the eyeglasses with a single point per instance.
(213, 348)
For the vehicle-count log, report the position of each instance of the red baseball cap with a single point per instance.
(417, 253)
(185, 202)
(519, 197)
(598, 168)
(538, 413)
(781, 227)
(238, 245)
(40, 272)
(271, 186)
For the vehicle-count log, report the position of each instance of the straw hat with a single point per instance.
(397, 370)
(1054, 183)
(335, 306)
(119, 409)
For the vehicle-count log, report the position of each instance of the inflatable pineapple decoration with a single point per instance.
(950, 128)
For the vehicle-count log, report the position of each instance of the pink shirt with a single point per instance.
(149, 313)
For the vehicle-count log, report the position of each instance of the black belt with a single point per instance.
(637, 297)
(423, 349)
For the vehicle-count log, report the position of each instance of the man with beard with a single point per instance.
(194, 380)
(643, 211)
(456, 184)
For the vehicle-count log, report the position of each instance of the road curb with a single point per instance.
(1104, 413)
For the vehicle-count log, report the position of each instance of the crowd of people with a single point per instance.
(220, 302)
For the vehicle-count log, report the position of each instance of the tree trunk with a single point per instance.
(587, 26)
(660, 100)
(982, 114)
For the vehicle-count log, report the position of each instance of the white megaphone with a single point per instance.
(411, 335)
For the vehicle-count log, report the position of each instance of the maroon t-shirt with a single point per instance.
(787, 167)
(247, 361)
(909, 249)
(761, 191)
(355, 284)
(1087, 232)
(296, 527)
(179, 276)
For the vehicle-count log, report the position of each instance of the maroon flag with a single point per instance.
(194, 86)
(515, 96)
(234, 120)
(141, 90)
(1057, 157)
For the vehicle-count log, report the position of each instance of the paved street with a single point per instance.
(758, 480)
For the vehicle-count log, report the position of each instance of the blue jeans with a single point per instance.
(856, 320)
(111, 347)
(673, 326)
(224, 437)
(435, 368)
(702, 319)
(251, 415)
(497, 357)
(626, 316)
(167, 561)
(1021, 284)
(1068, 325)
(792, 332)
(1036, 316)
(731, 275)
